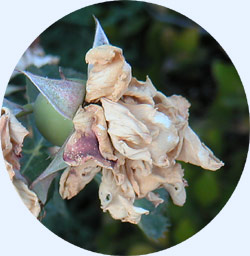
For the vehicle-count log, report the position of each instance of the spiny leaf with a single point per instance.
(64, 95)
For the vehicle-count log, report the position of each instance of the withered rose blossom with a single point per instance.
(133, 135)
(12, 136)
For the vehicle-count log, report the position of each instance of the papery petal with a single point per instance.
(175, 106)
(177, 109)
(162, 129)
(90, 139)
(171, 178)
(12, 136)
(154, 198)
(129, 136)
(119, 199)
(197, 153)
(139, 92)
(74, 179)
(110, 75)
(28, 197)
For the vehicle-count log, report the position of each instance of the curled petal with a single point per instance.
(12, 136)
(109, 76)
(154, 198)
(129, 136)
(90, 139)
(175, 106)
(197, 153)
(139, 92)
(74, 179)
(171, 178)
(162, 129)
(119, 199)
(28, 197)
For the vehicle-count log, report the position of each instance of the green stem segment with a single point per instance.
(27, 109)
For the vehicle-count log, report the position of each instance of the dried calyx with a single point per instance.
(133, 134)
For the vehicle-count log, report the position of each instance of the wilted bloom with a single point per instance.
(133, 134)
(12, 136)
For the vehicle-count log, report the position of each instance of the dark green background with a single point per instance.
(180, 58)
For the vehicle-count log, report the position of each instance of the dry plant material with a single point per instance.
(12, 136)
(133, 134)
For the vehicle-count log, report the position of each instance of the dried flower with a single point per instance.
(12, 136)
(133, 134)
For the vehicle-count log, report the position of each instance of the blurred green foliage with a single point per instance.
(180, 58)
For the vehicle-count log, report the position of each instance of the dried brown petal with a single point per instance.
(28, 197)
(90, 139)
(119, 199)
(175, 107)
(109, 76)
(171, 178)
(74, 179)
(139, 92)
(154, 198)
(129, 136)
(162, 129)
(12, 136)
(195, 152)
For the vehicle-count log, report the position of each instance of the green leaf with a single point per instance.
(42, 184)
(13, 89)
(227, 77)
(187, 41)
(184, 229)
(206, 189)
(230, 88)
(64, 95)
(155, 224)
(35, 156)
